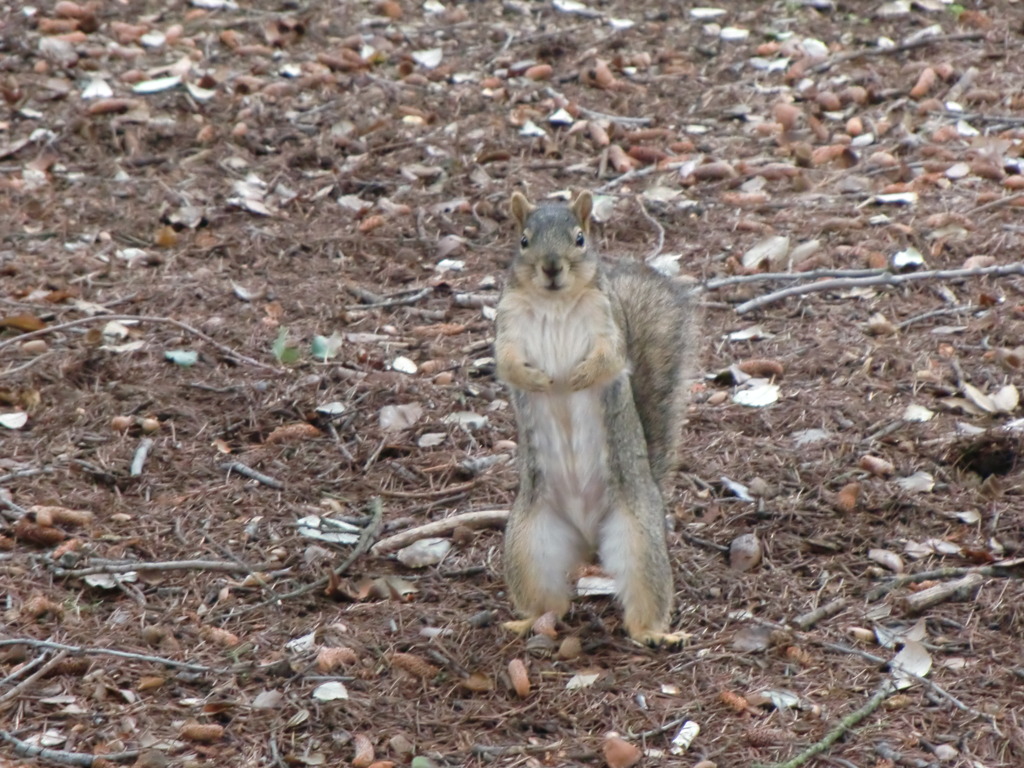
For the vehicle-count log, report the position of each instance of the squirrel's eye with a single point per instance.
(580, 241)
(524, 242)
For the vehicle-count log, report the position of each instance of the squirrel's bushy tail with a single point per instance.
(660, 323)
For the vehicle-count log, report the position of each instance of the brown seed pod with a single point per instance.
(619, 753)
(205, 733)
(329, 659)
(288, 433)
(414, 665)
(40, 535)
(876, 466)
(519, 677)
(763, 368)
(364, 751)
(846, 499)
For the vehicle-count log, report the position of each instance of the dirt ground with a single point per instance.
(305, 205)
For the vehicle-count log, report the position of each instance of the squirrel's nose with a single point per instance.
(551, 270)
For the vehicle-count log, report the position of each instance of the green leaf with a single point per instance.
(186, 358)
(285, 355)
(326, 347)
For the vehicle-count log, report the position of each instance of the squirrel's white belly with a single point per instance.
(571, 450)
(568, 428)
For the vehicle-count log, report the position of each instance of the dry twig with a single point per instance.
(841, 729)
(491, 518)
(996, 569)
(922, 42)
(61, 756)
(657, 225)
(141, 453)
(252, 474)
(807, 620)
(367, 536)
(77, 650)
(28, 681)
(887, 278)
(237, 356)
(165, 565)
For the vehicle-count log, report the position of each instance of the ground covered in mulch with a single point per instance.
(296, 214)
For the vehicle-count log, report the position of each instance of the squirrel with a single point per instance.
(596, 361)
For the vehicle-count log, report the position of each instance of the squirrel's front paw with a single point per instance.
(532, 379)
(592, 371)
(581, 377)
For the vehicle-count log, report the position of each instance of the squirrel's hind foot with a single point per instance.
(666, 640)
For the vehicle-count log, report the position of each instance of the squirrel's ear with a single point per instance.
(520, 208)
(582, 206)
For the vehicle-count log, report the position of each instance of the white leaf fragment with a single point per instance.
(466, 419)
(914, 412)
(429, 58)
(431, 439)
(910, 663)
(772, 249)
(757, 396)
(334, 408)
(14, 420)
(404, 365)
(582, 680)
(157, 85)
(704, 14)
(684, 737)
(530, 128)
(395, 418)
(753, 333)
(303, 643)
(887, 559)
(97, 89)
(806, 437)
(594, 586)
(424, 552)
(919, 482)
(332, 691)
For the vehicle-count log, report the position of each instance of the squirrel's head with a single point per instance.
(554, 252)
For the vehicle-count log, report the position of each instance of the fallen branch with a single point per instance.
(28, 681)
(82, 651)
(636, 173)
(16, 512)
(25, 473)
(888, 278)
(996, 569)
(140, 456)
(398, 302)
(367, 535)
(763, 277)
(657, 225)
(807, 620)
(978, 117)
(920, 43)
(491, 518)
(433, 493)
(996, 204)
(923, 680)
(25, 366)
(60, 756)
(237, 356)
(165, 565)
(841, 729)
(591, 114)
(961, 589)
(252, 474)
